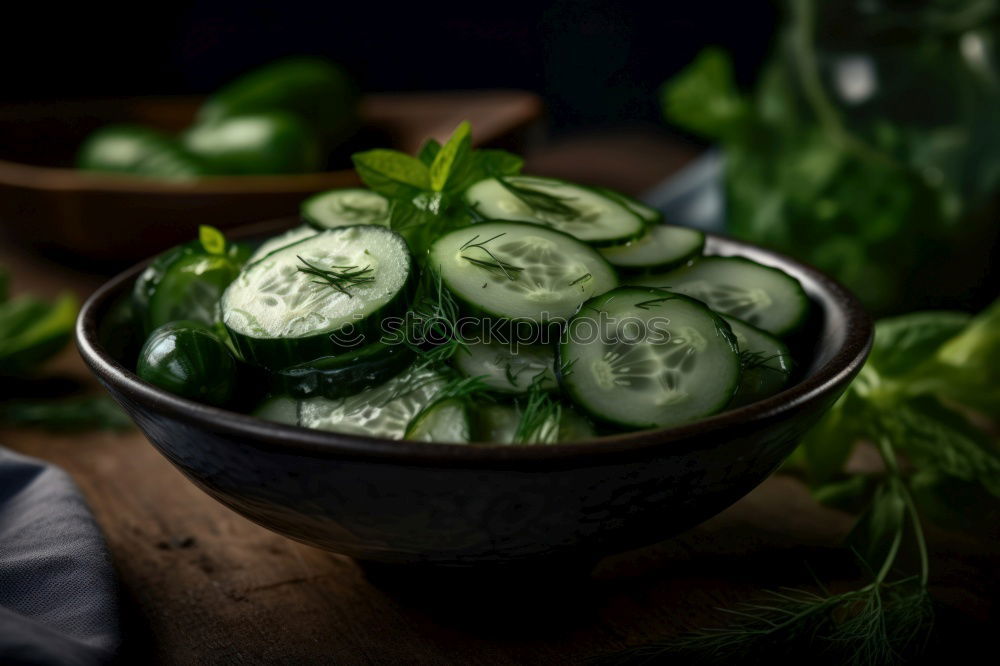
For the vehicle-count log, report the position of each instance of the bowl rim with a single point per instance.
(833, 375)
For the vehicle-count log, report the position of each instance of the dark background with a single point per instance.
(597, 63)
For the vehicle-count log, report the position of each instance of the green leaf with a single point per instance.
(429, 151)
(935, 437)
(851, 494)
(495, 162)
(877, 535)
(422, 220)
(968, 365)
(830, 442)
(66, 414)
(212, 239)
(703, 98)
(392, 173)
(32, 331)
(453, 150)
(906, 342)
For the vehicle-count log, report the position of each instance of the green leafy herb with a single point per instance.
(434, 320)
(541, 202)
(212, 240)
(582, 278)
(338, 277)
(540, 416)
(493, 262)
(65, 414)
(32, 331)
(456, 148)
(429, 151)
(392, 173)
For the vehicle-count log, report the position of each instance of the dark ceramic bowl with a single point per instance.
(407, 502)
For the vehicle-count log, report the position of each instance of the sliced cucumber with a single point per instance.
(345, 374)
(762, 296)
(662, 248)
(643, 358)
(648, 214)
(283, 240)
(280, 409)
(579, 211)
(505, 370)
(346, 207)
(279, 312)
(520, 271)
(383, 411)
(445, 421)
(766, 363)
(497, 424)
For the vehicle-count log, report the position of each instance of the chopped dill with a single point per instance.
(493, 263)
(338, 277)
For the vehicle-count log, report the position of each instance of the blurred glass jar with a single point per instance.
(880, 126)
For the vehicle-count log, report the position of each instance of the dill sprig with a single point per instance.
(582, 278)
(338, 277)
(883, 622)
(494, 263)
(877, 624)
(541, 415)
(541, 202)
(435, 318)
(750, 360)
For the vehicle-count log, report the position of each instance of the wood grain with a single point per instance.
(201, 585)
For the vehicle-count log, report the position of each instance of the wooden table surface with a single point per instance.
(202, 585)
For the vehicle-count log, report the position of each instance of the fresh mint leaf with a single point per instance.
(703, 98)
(453, 151)
(212, 240)
(422, 220)
(429, 151)
(65, 414)
(392, 173)
(31, 331)
(903, 343)
(494, 162)
(935, 437)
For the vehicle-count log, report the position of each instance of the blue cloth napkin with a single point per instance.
(58, 596)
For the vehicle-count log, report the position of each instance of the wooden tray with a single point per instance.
(108, 218)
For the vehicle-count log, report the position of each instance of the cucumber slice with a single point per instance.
(497, 424)
(648, 214)
(347, 207)
(520, 271)
(767, 365)
(662, 248)
(645, 358)
(502, 369)
(383, 411)
(284, 240)
(444, 421)
(578, 211)
(280, 409)
(345, 374)
(762, 296)
(278, 315)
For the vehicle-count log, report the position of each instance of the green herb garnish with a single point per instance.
(540, 416)
(338, 277)
(493, 263)
(541, 202)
